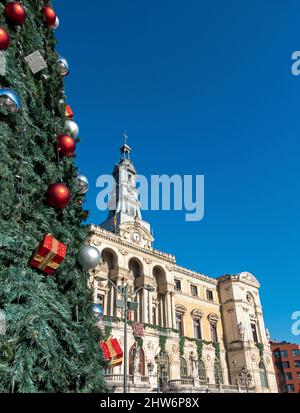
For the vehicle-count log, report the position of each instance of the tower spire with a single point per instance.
(125, 149)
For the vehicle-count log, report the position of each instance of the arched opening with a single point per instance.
(136, 361)
(263, 376)
(183, 368)
(161, 287)
(202, 371)
(110, 263)
(218, 373)
(135, 267)
(136, 271)
(109, 267)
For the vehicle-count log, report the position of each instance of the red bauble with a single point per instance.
(50, 16)
(15, 13)
(4, 39)
(66, 145)
(58, 196)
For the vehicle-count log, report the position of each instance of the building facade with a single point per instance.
(286, 359)
(201, 334)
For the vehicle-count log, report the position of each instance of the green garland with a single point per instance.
(260, 347)
(162, 342)
(199, 344)
(181, 345)
(139, 341)
(217, 350)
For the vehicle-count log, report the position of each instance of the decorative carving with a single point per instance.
(123, 252)
(197, 313)
(180, 309)
(175, 349)
(148, 261)
(150, 346)
(214, 318)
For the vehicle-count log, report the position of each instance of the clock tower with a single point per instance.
(125, 217)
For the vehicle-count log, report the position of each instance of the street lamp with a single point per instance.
(123, 291)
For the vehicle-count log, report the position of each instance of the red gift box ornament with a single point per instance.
(112, 352)
(49, 255)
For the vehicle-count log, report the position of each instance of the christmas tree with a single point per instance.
(51, 342)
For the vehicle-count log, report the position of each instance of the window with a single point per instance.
(197, 328)
(297, 363)
(183, 368)
(214, 333)
(284, 354)
(179, 322)
(177, 285)
(263, 375)
(202, 371)
(194, 290)
(209, 295)
(286, 364)
(218, 373)
(277, 354)
(279, 365)
(288, 376)
(290, 388)
(296, 353)
(254, 333)
(298, 375)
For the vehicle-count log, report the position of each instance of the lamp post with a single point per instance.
(123, 291)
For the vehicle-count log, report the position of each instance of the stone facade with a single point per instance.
(201, 334)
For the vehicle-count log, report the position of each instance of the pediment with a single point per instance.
(249, 278)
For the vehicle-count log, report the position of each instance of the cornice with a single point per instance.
(194, 274)
(116, 239)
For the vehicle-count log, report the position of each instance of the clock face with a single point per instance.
(136, 237)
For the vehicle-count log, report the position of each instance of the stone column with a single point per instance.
(160, 312)
(173, 311)
(145, 306)
(169, 310)
(137, 313)
(150, 314)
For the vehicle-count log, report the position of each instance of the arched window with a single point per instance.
(202, 371)
(218, 373)
(183, 368)
(263, 375)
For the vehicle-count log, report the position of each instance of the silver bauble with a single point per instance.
(83, 183)
(56, 24)
(63, 66)
(10, 99)
(72, 128)
(89, 257)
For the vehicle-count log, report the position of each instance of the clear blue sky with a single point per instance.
(202, 87)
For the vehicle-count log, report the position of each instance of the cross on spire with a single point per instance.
(125, 136)
(125, 149)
